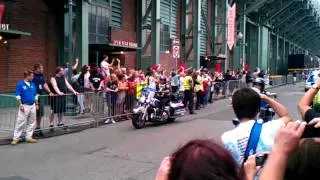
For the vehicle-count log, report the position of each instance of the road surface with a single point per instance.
(119, 152)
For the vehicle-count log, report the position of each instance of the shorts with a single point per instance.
(40, 111)
(58, 104)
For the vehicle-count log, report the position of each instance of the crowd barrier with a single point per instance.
(90, 108)
(94, 108)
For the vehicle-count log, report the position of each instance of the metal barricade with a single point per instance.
(8, 113)
(89, 109)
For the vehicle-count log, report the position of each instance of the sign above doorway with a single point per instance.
(124, 43)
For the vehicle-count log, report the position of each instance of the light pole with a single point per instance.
(70, 4)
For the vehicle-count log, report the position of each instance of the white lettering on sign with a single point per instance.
(176, 48)
(125, 43)
(231, 26)
(4, 27)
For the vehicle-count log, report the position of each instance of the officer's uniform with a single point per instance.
(188, 93)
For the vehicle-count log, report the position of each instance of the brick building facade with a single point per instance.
(18, 55)
(47, 22)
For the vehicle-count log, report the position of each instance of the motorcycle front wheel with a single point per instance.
(138, 121)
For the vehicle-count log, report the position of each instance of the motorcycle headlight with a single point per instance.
(142, 99)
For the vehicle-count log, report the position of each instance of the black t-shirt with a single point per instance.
(112, 85)
(311, 114)
(96, 79)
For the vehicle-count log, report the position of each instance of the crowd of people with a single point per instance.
(118, 87)
(289, 147)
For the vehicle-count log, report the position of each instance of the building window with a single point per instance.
(116, 13)
(164, 38)
(98, 23)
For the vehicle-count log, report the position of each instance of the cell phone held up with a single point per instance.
(310, 132)
(260, 160)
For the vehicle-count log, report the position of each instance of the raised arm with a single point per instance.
(306, 100)
(279, 109)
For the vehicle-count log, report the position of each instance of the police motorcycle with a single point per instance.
(157, 107)
(266, 112)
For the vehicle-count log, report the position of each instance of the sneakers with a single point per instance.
(14, 142)
(110, 120)
(31, 141)
(113, 121)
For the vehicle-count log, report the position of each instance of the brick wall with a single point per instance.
(21, 54)
(127, 31)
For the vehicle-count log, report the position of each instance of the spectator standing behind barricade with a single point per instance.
(96, 84)
(212, 79)
(294, 77)
(105, 66)
(69, 69)
(246, 105)
(82, 90)
(85, 85)
(111, 95)
(122, 87)
(77, 86)
(188, 92)
(42, 86)
(226, 79)
(27, 97)
(198, 88)
(175, 82)
(59, 86)
(131, 92)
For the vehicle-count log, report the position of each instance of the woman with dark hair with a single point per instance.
(200, 160)
(83, 82)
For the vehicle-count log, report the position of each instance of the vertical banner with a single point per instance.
(1, 10)
(231, 25)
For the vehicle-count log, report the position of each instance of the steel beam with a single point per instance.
(70, 36)
(294, 25)
(278, 24)
(196, 9)
(155, 33)
(301, 36)
(183, 18)
(312, 37)
(307, 23)
(285, 5)
(213, 25)
(256, 6)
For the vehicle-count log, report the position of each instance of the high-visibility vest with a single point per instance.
(139, 88)
(186, 82)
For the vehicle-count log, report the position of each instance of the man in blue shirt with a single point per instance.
(42, 87)
(26, 93)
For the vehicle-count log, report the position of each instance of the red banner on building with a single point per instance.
(231, 25)
(1, 10)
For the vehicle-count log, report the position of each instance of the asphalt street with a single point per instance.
(119, 152)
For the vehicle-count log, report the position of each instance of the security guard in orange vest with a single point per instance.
(188, 91)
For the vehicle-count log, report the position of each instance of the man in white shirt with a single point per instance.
(105, 66)
(246, 105)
